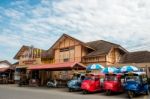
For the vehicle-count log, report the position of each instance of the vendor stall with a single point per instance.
(6, 72)
(61, 72)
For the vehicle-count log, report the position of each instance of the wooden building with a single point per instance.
(140, 59)
(6, 72)
(69, 49)
(40, 64)
(68, 54)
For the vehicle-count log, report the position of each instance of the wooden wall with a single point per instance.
(74, 54)
(113, 56)
(23, 61)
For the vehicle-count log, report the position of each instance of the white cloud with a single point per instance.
(124, 22)
(9, 39)
(110, 19)
(14, 14)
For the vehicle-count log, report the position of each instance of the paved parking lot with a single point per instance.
(14, 92)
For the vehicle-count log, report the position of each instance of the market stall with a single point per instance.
(61, 72)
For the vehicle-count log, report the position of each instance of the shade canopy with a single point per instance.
(5, 69)
(128, 68)
(58, 66)
(94, 67)
(108, 70)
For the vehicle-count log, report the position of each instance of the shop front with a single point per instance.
(6, 75)
(6, 72)
(20, 73)
(62, 72)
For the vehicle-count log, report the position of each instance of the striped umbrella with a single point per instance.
(94, 67)
(128, 69)
(108, 70)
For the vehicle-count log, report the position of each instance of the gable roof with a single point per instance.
(136, 57)
(9, 64)
(5, 61)
(102, 47)
(67, 36)
(99, 47)
(22, 49)
(15, 64)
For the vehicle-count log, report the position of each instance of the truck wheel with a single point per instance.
(84, 92)
(19, 84)
(70, 90)
(147, 92)
(108, 92)
(130, 94)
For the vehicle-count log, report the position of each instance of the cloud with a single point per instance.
(14, 14)
(115, 21)
(126, 23)
(9, 39)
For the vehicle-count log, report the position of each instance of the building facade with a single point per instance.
(140, 59)
(69, 53)
(6, 72)
(69, 49)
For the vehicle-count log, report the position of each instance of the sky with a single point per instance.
(41, 22)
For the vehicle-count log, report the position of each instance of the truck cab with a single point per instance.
(75, 83)
(113, 83)
(136, 83)
(92, 83)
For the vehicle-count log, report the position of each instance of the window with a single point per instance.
(111, 78)
(64, 49)
(132, 78)
(71, 48)
(66, 59)
(64, 75)
(142, 69)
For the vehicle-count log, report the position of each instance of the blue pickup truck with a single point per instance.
(136, 83)
(75, 83)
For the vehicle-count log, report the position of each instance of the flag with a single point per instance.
(40, 51)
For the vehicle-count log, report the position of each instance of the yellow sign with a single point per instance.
(130, 74)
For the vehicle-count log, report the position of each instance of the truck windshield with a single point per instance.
(87, 78)
(75, 77)
(111, 78)
(132, 78)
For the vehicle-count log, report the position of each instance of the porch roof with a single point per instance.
(5, 69)
(58, 66)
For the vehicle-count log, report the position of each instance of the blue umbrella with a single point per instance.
(128, 69)
(94, 67)
(108, 70)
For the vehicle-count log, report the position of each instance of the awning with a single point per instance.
(20, 67)
(58, 66)
(4, 69)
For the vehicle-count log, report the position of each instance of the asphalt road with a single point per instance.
(14, 92)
